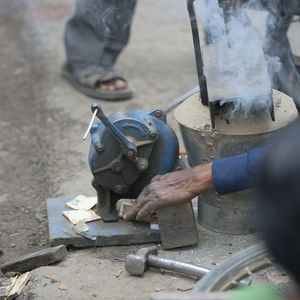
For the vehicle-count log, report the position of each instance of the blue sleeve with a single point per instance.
(236, 173)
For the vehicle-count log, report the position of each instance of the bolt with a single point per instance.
(130, 153)
(120, 189)
(152, 133)
(142, 164)
(158, 114)
(100, 147)
(116, 167)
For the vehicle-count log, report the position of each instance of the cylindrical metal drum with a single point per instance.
(235, 133)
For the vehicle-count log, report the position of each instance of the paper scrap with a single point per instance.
(74, 216)
(80, 227)
(51, 278)
(82, 202)
(63, 287)
(119, 273)
(154, 227)
(277, 278)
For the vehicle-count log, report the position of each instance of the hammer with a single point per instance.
(137, 264)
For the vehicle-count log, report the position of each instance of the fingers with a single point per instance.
(146, 210)
(132, 213)
(141, 200)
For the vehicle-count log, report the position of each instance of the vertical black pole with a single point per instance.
(198, 55)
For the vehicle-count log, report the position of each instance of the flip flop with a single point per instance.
(87, 81)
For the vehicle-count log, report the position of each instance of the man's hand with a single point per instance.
(172, 189)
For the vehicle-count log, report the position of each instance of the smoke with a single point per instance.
(240, 57)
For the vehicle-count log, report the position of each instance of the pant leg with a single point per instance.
(91, 29)
(120, 33)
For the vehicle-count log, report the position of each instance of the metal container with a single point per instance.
(235, 133)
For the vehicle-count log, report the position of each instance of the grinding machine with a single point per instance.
(127, 150)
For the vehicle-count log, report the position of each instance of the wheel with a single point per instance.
(236, 268)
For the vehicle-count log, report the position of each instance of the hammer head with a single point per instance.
(136, 264)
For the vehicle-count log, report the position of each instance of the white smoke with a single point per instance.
(240, 57)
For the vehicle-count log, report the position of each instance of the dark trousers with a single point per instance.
(98, 32)
(287, 79)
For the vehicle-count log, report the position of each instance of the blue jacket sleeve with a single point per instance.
(236, 173)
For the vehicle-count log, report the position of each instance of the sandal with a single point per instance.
(87, 81)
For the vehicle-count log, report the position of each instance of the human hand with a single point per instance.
(171, 189)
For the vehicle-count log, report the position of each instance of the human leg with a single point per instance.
(88, 37)
(287, 79)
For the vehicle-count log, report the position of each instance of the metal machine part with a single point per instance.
(127, 150)
(213, 88)
(233, 135)
(137, 264)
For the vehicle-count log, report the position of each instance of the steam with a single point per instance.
(240, 57)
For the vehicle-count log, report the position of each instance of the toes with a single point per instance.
(120, 84)
(111, 87)
(103, 86)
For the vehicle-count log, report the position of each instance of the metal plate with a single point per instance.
(225, 82)
(106, 234)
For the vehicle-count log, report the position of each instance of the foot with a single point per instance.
(113, 85)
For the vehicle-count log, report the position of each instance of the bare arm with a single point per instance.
(172, 189)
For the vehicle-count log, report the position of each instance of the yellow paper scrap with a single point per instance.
(82, 202)
(75, 216)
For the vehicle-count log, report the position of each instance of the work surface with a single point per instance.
(42, 120)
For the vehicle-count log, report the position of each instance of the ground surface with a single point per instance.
(42, 120)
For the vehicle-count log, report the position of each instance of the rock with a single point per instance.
(12, 274)
(33, 260)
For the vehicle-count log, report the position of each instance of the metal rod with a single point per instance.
(180, 99)
(181, 267)
(90, 126)
(176, 266)
(128, 147)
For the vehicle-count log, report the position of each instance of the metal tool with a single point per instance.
(127, 150)
(180, 99)
(137, 264)
(90, 125)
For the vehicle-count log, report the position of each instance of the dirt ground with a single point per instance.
(43, 118)
(42, 155)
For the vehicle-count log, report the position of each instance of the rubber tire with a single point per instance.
(236, 268)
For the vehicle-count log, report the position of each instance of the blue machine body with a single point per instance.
(127, 150)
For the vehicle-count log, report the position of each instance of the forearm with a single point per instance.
(202, 178)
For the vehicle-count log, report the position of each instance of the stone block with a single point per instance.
(33, 260)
